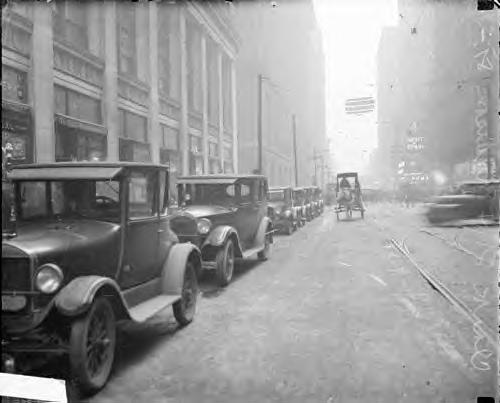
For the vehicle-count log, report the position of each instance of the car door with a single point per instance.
(141, 240)
(166, 237)
(248, 211)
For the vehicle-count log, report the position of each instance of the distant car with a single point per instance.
(92, 245)
(282, 209)
(309, 202)
(474, 199)
(226, 217)
(318, 203)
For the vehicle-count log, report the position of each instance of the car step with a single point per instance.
(152, 306)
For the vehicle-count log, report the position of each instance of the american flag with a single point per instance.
(359, 106)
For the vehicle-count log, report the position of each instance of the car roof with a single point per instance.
(75, 170)
(216, 178)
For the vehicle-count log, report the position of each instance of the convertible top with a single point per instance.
(215, 179)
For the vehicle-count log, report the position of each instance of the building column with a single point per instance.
(110, 96)
(43, 83)
(204, 94)
(221, 110)
(234, 112)
(154, 103)
(183, 129)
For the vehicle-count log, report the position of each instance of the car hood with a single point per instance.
(47, 238)
(203, 211)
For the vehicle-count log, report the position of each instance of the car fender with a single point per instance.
(220, 234)
(265, 227)
(175, 266)
(77, 296)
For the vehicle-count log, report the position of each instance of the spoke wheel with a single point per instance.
(185, 308)
(92, 346)
(225, 264)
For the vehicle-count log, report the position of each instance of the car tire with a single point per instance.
(264, 253)
(92, 346)
(185, 309)
(225, 264)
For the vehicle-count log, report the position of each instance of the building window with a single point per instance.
(228, 159)
(127, 50)
(134, 137)
(76, 105)
(70, 23)
(196, 146)
(226, 93)
(213, 83)
(168, 53)
(133, 127)
(193, 38)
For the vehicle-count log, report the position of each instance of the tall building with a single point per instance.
(280, 69)
(437, 89)
(143, 81)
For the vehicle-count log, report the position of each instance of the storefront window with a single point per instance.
(14, 85)
(133, 126)
(196, 165)
(133, 151)
(78, 145)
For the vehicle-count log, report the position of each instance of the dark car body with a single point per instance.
(283, 210)
(318, 203)
(474, 199)
(216, 209)
(101, 230)
(299, 197)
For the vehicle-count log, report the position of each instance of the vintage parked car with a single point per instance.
(473, 199)
(299, 197)
(318, 204)
(92, 246)
(282, 209)
(309, 202)
(226, 217)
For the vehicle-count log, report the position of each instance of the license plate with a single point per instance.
(13, 302)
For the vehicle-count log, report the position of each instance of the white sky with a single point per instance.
(351, 31)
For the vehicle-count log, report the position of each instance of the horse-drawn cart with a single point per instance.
(348, 192)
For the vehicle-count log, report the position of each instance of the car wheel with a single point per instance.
(92, 346)
(185, 308)
(225, 264)
(264, 253)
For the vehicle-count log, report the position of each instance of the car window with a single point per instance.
(141, 195)
(245, 191)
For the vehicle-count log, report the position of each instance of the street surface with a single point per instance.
(336, 315)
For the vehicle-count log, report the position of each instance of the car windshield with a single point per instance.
(277, 195)
(68, 199)
(200, 194)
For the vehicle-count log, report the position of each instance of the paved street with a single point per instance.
(336, 315)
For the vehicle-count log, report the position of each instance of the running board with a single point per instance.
(152, 306)
(252, 251)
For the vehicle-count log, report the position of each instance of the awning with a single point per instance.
(64, 173)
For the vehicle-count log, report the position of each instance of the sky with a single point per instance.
(351, 31)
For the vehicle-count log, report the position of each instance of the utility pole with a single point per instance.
(294, 128)
(259, 124)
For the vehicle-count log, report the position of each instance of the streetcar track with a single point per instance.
(484, 329)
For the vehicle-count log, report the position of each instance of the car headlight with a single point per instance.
(203, 226)
(286, 213)
(48, 278)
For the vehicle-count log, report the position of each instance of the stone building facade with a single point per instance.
(144, 81)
